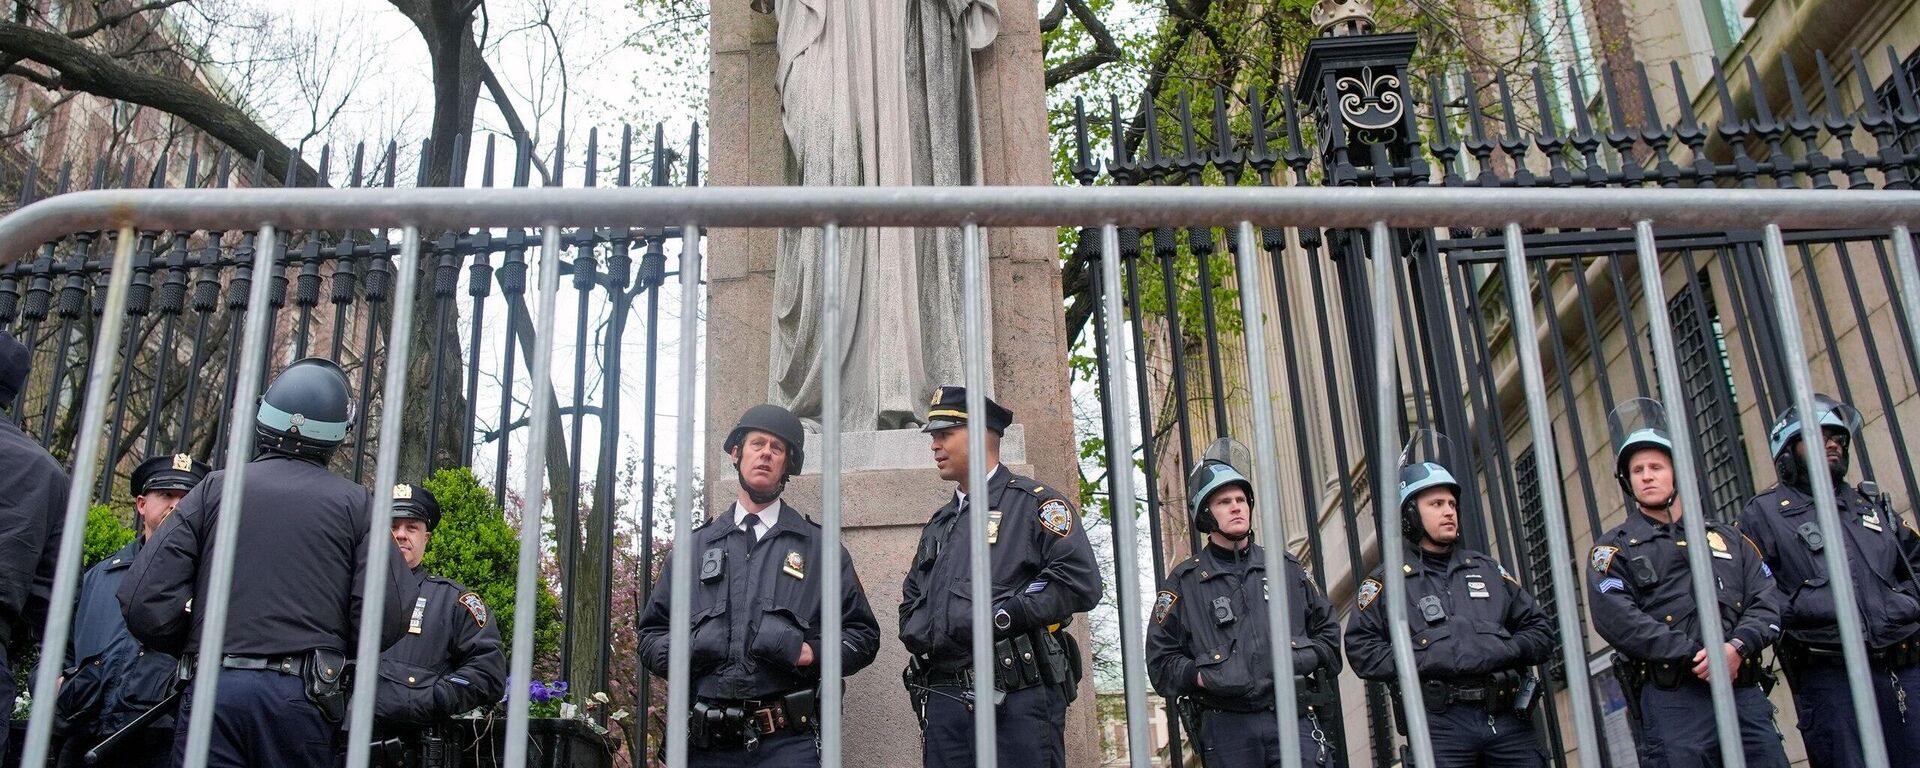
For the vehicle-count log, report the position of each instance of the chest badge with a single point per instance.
(1478, 589)
(993, 527)
(1719, 545)
(794, 566)
(417, 624)
(1872, 522)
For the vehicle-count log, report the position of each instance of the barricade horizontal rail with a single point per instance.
(1238, 210)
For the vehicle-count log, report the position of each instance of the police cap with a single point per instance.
(177, 472)
(415, 502)
(948, 408)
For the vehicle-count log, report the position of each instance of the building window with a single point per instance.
(1888, 95)
(1706, 375)
(1537, 561)
(1566, 52)
(1726, 23)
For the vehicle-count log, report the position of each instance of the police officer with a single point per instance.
(1209, 644)
(30, 522)
(111, 679)
(1781, 522)
(1641, 592)
(450, 659)
(301, 552)
(1475, 631)
(756, 623)
(1043, 573)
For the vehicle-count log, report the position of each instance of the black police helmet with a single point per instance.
(306, 411)
(415, 502)
(776, 421)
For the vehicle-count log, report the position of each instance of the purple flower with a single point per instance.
(559, 688)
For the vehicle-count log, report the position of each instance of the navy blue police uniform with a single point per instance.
(301, 552)
(30, 522)
(1210, 622)
(1043, 573)
(1474, 632)
(111, 679)
(449, 661)
(1641, 595)
(756, 600)
(1881, 549)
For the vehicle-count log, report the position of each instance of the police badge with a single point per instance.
(795, 566)
(1163, 606)
(1056, 517)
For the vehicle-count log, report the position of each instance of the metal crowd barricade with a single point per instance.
(1374, 210)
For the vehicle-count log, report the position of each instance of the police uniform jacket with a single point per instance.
(1043, 569)
(1782, 523)
(1641, 591)
(110, 678)
(754, 604)
(448, 662)
(1228, 642)
(298, 569)
(1485, 623)
(31, 512)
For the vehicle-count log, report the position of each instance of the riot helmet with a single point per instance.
(306, 412)
(1218, 469)
(1423, 465)
(1833, 415)
(780, 423)
(1633, 426)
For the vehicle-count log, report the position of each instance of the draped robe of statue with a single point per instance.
(875, 93)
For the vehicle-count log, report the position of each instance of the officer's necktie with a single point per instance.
(751, 524)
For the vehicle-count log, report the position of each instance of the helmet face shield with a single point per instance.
(1831, 414)
(1219, 467)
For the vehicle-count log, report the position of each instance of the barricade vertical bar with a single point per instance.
(1866, 709)
(1266, 477)
(1686, 482)
(386, 470)
(252, 355)
(1386, 476)
(1120, 476)
(540, 370)
(979, 496)
(680, 592)
(831, 609)
(1546, 457)
(1909, 285)
(86, 461)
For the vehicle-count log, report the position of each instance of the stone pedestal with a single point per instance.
(887, 501)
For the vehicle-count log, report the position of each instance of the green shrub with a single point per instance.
(476, 546)
(107, 532)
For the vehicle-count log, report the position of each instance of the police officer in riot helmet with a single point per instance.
(111, 679)
(30, 518)
(1209, 644)
(301, 552)
(1881, 546)
(1474, 628)
(1641, 593)
(449, 661)
(756, 622)
(1044, 572)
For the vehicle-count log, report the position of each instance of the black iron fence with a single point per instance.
(1359, 117)
(466, 371)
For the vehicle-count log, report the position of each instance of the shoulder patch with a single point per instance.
(1602, 559)
(1369, 590)
(475, 606)
(1163, 606)
(1057, 517)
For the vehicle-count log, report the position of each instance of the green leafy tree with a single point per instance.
(476, 546)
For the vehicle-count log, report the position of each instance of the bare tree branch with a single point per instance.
(116, 19)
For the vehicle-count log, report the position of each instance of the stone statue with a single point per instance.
(875, 93)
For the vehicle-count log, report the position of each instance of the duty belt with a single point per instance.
(1905, 653)
(286, 665)
(1019, 662)
(1490, 693)
(744, 723)
(1668, 675)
